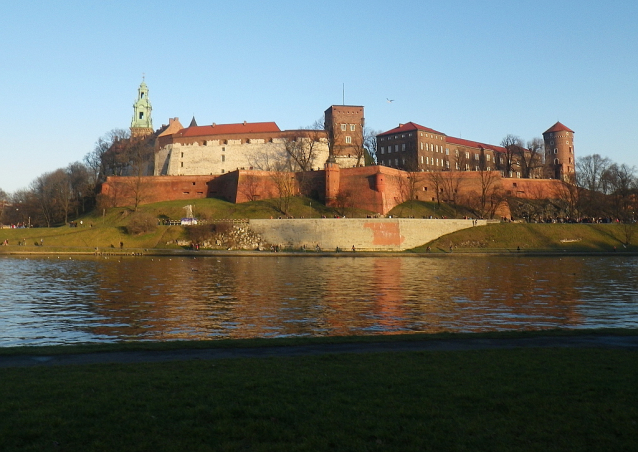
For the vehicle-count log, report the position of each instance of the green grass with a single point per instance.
(503, 237)
(422, 209)
(493, 400)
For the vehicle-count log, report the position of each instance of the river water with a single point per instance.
(45, 301)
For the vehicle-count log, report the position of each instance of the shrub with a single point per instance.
(141, 223)
(201, 233)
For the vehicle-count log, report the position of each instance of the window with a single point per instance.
(396, 162)
(467, 155)
(467, 167)
(222, 170)
(182, 155)
(382, 149)
(457, 165)
(489, 169)
(427, 160)
(421, 159)
(447, 151)
(447, 164)
(396, 148)
(476, 156)
(141, 115)
(343, 127)
(403, 147)
(181, 164)
(223, 158)
(352, 127)
(555, 151)
(421, 146)
(456, 152)
(488, 157)
(348, 139)
(518, 174)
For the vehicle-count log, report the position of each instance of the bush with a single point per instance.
(141, 223)
(201, 233)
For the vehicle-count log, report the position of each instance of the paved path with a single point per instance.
(128, 357)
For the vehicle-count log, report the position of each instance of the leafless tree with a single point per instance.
(590, 176)
(250, 187)
(370, 145)
(620, 184)
(512, 145)
(100, 162)
(302, 148)
(531, 158)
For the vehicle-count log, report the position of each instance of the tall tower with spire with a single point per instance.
(142, 123)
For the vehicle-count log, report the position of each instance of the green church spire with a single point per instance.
(142, 123)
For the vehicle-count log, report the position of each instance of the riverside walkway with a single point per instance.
(440, 345)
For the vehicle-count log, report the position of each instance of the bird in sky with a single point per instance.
(389, 100)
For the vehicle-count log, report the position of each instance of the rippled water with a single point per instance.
(56, 301)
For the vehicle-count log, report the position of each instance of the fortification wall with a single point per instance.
(365, 234)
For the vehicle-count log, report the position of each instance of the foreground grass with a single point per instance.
(493, 400)
(529, 237)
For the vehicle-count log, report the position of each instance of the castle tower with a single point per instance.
(559, 152)
(344, 124)
(142, 124)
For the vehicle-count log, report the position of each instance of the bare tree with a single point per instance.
(620, 183)
(250, 187)
(531, 159)
(590, 175)
(302, 148)
(100, 162)
(370, 145)
(512, 145)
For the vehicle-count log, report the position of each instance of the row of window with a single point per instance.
(353, 127)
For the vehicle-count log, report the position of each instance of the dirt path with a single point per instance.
(131, 357)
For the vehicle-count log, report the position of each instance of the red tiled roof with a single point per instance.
(409, 127)
(229, 129)
(474, 144)
(558, 127)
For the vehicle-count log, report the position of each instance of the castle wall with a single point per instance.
(377, 189)
(364, 234)
(219, 156)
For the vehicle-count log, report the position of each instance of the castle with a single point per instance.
(236, 162)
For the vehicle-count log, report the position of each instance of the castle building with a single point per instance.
(142, 123)
(413, 147)
(559, 152)
(220, 148)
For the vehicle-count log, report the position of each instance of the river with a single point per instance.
(48, 301)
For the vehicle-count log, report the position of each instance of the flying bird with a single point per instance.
(389, 100)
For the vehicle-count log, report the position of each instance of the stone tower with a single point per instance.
(559, 152)
(142, 123)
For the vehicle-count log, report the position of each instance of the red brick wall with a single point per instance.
(374, 188)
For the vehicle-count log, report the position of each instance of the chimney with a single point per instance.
(244, 122)
(401, 125)
(214, 124)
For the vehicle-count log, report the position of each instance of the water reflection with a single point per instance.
(52, 301)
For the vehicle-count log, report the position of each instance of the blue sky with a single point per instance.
(473, 69)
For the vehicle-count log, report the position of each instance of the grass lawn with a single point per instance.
(490, 400)
(529, 237)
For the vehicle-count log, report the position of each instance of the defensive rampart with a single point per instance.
(371, 234)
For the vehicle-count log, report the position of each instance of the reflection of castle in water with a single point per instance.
(240, 297)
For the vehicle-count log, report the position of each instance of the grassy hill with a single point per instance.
(105, 230)
(542, 237)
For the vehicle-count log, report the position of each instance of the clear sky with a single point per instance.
(473, 69)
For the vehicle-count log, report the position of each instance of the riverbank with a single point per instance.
(540, 398)
(499, 238)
